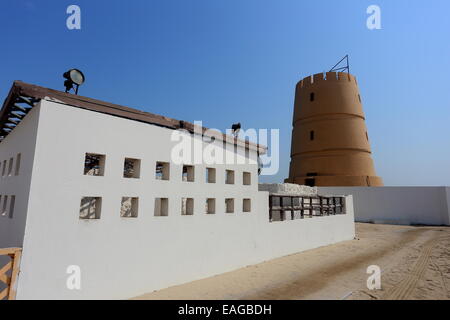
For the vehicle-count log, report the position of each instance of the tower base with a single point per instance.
(338, 181)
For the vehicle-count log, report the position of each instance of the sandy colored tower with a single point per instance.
(330, 143)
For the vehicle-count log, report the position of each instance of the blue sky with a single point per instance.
(239, 60)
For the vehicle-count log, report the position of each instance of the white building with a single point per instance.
(93, 185)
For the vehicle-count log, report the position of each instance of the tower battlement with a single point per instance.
(319, 78)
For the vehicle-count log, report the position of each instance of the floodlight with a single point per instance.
(74, 78)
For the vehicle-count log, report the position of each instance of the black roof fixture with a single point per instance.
(336, 67)
(75, 78)
(235, 128)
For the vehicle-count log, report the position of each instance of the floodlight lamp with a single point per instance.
(74, 78)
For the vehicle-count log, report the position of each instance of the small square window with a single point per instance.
(210, 175)
(246, 205)
(129, 207)
(229, 177)
(94, 164)
(210, 206)
(229, 205)
(132, 168)
(187, 206)
(162, 171)
(161, 207)
(188, 173)
(90, 208)
(247, 178)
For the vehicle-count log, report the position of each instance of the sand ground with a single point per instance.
(414, 261)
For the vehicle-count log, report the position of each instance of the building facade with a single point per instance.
(96, 189)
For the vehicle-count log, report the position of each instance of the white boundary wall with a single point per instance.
(125, 257)
(398, 205)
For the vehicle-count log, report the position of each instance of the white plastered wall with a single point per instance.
(12, 220)
(398, 205)
(21, 141)
(125, 257)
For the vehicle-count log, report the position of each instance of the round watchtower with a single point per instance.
(330, 144)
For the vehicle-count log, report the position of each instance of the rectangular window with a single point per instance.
(310, 182)
(4, 206)
(90, 208)
(11, 163)
(247, 178)
(187, 206)
(210, 175)
(229, 177)
(12, 203)
(210, 206)
(229, 205)
(132, 168)
(246, 205)
(161, 207)
(18, 159)
(10, 166)
(188, 173)
(162, 171)
(129, 207)
(94, 164)
(4, 168)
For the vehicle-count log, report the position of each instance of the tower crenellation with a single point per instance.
(325, 76)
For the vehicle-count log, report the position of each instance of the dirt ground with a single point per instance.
(414, 262)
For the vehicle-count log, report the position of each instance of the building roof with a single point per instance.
(23, 97)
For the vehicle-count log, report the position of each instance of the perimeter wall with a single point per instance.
(398, 205)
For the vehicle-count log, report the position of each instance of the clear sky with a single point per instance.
(239, 60)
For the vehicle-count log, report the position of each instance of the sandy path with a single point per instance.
(415, 264)
(404, 289)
